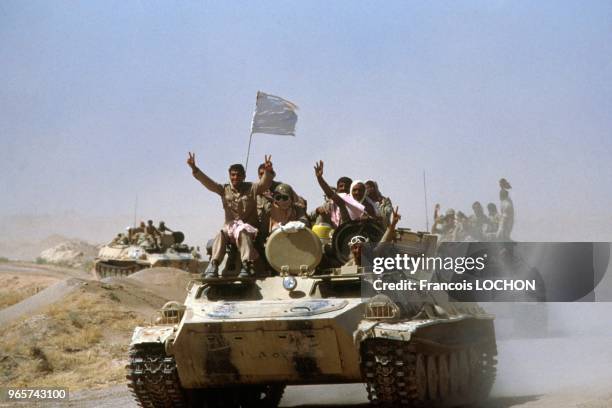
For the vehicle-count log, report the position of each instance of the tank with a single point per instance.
(124, 256)
(239, 343)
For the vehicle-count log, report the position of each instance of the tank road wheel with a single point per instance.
(420, 378)
(443, 376)
(453, 368)
(464, 372)
(432, 377)
(152, 377)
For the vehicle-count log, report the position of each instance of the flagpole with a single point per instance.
(246, 167)
(426, 205)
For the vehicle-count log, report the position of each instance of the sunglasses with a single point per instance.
(281, 197)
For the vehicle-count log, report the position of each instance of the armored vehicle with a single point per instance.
(125, 255)
(238, 343)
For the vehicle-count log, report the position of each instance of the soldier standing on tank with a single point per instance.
(383, 204)
(506, 218)
(493, 219)
(477, 222)
(239, 200)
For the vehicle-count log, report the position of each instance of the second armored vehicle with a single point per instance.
(128, 254)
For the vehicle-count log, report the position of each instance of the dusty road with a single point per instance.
(533, 373)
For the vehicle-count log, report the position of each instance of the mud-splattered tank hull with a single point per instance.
(443, 354)
(238, 343)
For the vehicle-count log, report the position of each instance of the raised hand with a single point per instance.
(395, 217)
(436, 211)
(318, 168)
(268, 163)
(191, 161)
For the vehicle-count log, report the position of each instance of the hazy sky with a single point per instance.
(100, 102)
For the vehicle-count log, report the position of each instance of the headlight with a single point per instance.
(381, 307)
(289, 283)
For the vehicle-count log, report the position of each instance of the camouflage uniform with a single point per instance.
(385, 208)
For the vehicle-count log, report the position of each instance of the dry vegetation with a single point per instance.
(16, 288)
(80, 342)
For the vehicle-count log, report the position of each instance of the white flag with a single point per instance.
(274, 115)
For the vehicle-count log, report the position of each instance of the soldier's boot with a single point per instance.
(212, 270)
(247, 270)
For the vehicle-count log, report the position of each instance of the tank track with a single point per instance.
(153, 378)
(106, 270)
(398, 374)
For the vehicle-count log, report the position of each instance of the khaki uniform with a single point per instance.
(239, 204)
(506, 220)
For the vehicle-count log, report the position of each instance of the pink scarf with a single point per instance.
(355, 209)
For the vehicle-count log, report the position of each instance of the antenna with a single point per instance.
(135, 209)
(426, 205)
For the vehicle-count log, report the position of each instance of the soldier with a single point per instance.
(152, 231)
(322, 214)
(162, 227)
(343, 185)
(383, 204)
(444, 225)
(346, 207)
(284, 209)
(478, 222)
(239, 200)
(462, 228)
(265, 201)
(134, 233)
(493, 218)
(506, 219)
(356, 243)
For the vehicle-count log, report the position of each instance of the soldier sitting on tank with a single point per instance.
(266, 200)
(346, 207)
(163, 228)
(120, 239)
(151, 231)
(444, 225)
(356, 243)
(321, 215)
(239, 200)
(134, 233)
(284, 209)
(383, 204)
